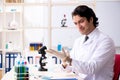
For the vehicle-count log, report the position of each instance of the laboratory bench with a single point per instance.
(34, 74)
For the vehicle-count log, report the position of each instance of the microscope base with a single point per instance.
(42, 69)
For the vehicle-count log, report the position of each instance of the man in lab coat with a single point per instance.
(93, 58)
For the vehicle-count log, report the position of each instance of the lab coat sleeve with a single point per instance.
(67, 69)
(102, 54)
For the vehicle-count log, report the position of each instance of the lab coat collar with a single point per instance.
(91, 36)
(88, 41)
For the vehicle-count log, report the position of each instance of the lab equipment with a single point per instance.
(13, 24)
(63, 21)
(42, 61)
(21, 69)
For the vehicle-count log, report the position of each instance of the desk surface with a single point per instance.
(43, 75)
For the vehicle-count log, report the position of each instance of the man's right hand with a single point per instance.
(60, 55)
(64, 56)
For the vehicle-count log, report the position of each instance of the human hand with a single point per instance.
(60, 55)
(64, 55)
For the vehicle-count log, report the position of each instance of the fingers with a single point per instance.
(51, 51)
(61, 55)
(66, 53)
(56, 53)
(63, 50)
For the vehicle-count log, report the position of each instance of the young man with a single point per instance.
(92, 55)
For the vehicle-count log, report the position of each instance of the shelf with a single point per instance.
(25, 4)
(73, 3)
(70, 3)
(36, 27)
(35, 4)
(12, 51)
(13, 4)
(13, 1)
(16, 30)
(63, 27)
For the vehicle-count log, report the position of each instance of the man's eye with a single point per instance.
(75, 23)
(81, 21)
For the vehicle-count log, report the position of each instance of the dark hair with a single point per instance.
(85, 11)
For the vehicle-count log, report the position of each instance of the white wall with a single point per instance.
(109, 19)
(108, 13)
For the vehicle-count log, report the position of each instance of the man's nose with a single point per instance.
(78, 25)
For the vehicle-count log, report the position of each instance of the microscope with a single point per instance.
(42, 58)
(63, 21)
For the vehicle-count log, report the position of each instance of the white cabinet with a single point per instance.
(13, 40)
(11, 27)
(11, 30)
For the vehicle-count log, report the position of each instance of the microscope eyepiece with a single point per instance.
(43, 48)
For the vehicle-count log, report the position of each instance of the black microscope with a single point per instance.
(42, 58)
(63, 21)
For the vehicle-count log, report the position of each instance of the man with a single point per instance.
(92, 58)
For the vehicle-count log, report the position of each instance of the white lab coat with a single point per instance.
(94, 59)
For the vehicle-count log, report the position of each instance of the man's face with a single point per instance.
(83, 25)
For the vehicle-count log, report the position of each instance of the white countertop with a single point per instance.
(34, 74)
